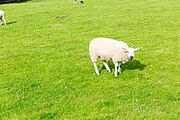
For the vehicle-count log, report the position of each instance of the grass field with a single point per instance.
(46, 72)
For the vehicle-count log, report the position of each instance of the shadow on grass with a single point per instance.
(131, 65)
(12, 1)
(9, 23)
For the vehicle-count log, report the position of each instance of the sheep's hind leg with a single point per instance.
(96, 69)
(119, 68)
(116, 70)
(107, 67)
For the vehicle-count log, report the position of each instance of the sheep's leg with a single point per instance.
(116, 70)
(4, 21)
(96, 69)
(107, 67)
(0, 22)
(119, 68)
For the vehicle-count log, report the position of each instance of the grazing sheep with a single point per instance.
(2, 17)
(78, 1)
(107, 49)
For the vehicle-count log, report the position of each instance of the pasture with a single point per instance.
(46, 72)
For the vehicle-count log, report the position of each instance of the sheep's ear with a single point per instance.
(136, 49)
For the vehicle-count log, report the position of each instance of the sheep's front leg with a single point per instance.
(0, 22)
(96, 69)
(119, 68)
(4, 21)
(116, 70)
(107, 67)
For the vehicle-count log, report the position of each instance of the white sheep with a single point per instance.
(107, 49)
(2, 17)
(78, 1)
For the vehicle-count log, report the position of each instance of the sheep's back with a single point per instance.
(107, 48)
(102, 45)
(103, 48)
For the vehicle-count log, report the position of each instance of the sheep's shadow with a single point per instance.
(12, 1)
(9, 23)
(130, 65)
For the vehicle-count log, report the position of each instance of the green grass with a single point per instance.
(46, 72)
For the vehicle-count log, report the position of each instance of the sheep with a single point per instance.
(2, 17)
(78, 1)
(107, 49)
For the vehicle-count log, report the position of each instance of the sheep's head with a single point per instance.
(131, 52)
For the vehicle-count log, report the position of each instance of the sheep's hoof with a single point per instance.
(97, 74)
(115, 75)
